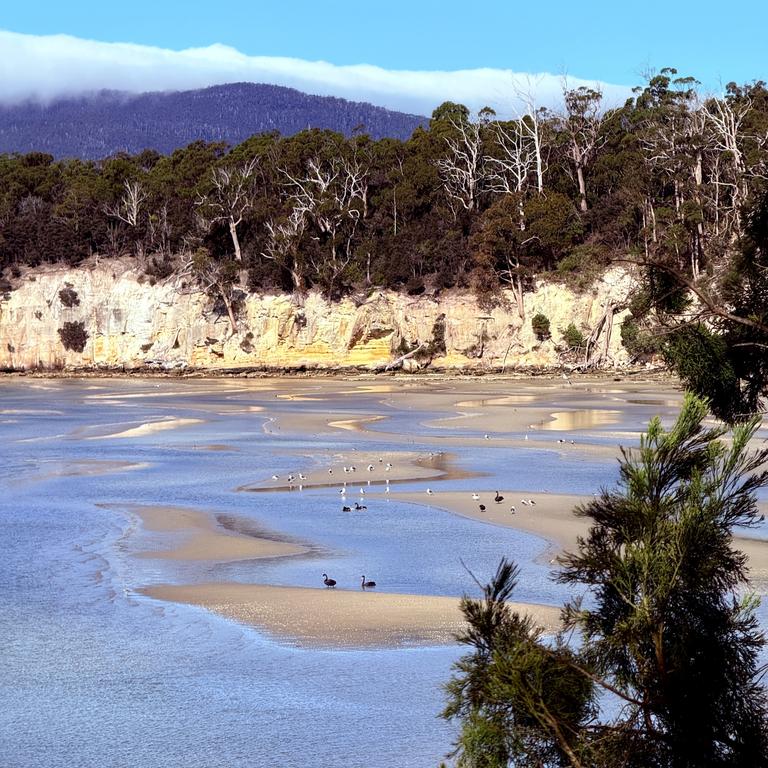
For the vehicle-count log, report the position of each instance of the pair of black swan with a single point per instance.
(331, 583)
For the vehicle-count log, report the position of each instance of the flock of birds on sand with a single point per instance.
(351, 469)
(357, 507)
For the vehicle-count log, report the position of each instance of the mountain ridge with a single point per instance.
(97, 125)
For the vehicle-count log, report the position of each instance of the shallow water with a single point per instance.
(98, 675)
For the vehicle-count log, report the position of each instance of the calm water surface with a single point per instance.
(96, 675)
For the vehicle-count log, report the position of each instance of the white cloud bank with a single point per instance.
(45, 67)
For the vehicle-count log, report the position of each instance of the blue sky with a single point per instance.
(610, 42)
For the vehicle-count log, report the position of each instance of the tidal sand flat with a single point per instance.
(308, 617)
(352, 469)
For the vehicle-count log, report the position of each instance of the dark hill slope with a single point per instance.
(98, 125)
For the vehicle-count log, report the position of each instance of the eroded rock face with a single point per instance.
(132, 324)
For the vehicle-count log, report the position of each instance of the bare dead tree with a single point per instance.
(531, 122)
(128, 210)
(726, 117)
(231, 197)
(463, 170)
(509, 168)
(332, 196)
(217, 279)
(283, 243)
(160, 232)
(677, 145)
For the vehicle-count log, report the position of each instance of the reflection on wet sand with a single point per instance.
(354, 425)
(566, 421)
(148, 428)
(491, 402)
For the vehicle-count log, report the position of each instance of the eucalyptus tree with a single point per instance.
(230, 198)
(580, 127)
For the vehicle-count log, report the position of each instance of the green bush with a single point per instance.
(637, 342)
(573, 337)
(540, 325)
(436, 346)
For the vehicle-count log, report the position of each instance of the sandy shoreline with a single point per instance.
(334, 617)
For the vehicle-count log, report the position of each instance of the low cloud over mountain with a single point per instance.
(44, 67)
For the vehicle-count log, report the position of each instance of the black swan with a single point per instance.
(366, 584)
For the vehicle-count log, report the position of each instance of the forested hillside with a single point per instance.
(98, 125)
(671, 181)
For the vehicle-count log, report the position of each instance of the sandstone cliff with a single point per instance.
(132, 324)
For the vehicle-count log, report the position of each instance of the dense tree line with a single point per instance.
(671, 181)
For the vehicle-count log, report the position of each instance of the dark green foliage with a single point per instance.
(665, 631)
(513, 688)
(702, 360)
(68, 297)
(582, 266)
(436, 346)
(726, 360)
(73, 335)
(247, 343)
(573, 337)
(554, 227)
(638, 342)
(540, 326)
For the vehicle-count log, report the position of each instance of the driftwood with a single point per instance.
(400, 360)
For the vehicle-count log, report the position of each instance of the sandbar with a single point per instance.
(200, 537)
(392, 466)
(338, 618)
